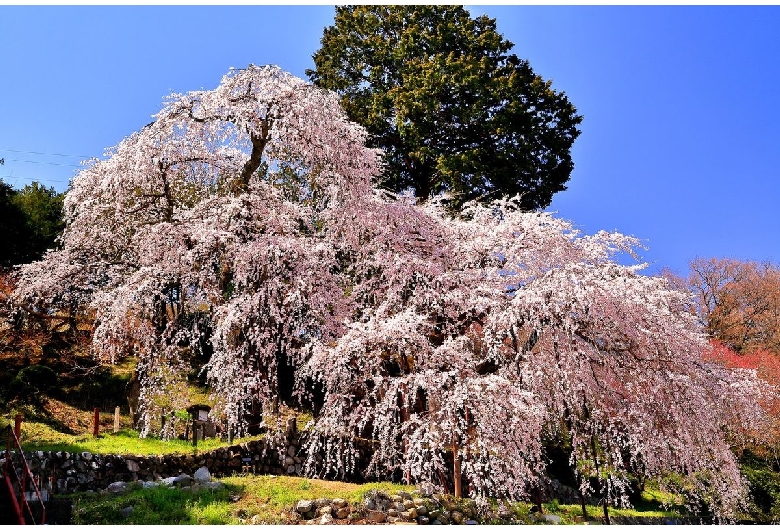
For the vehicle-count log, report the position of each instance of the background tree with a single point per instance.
(738, 302)
(13, 227)
(42, 208)
(30, 222)
(453, 111)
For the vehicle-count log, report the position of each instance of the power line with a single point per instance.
(11, 178)
(45, 163)
(42, 153)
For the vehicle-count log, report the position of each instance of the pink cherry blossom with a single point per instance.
(243, 227)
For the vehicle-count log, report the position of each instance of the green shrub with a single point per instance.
(32, 381)
(764, 492)
(39, 376)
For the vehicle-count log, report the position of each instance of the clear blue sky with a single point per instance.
(680, 144)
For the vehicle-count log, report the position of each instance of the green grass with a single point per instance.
(570, 513)
(254, 498)
(265, 499)
(37, 436)
(159, 505)
(260, 499)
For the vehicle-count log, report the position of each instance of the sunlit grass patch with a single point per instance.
(260, 499)
(158, 505)
(570, 513)
(41, 437)
(268, 499)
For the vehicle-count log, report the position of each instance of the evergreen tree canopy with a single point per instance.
(13, 228)
(42, 208)
(439, 92)
(30, 221)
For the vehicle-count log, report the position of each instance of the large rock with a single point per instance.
(183, 480)
(117, 487)
(202, 474)
(304, 506)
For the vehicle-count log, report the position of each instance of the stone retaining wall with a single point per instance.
(68, 472)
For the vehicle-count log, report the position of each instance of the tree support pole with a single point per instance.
(456, 468)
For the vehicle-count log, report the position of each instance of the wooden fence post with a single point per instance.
(18, 426)
(96, 430)
(116, 420)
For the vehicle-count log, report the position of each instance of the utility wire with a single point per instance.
(42, 153)
(46, 163)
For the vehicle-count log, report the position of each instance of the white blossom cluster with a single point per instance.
(242, 225)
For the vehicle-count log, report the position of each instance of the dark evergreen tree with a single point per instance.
(42, 208)
(30, 222)
(453, 110)
(13, 227)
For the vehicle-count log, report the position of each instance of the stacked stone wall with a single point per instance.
(68, 472)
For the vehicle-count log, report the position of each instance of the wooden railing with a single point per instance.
(17, 487)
